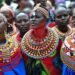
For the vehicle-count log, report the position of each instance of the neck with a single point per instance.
(40, 32)
(63, 29)
(22, 34)
(2, 38)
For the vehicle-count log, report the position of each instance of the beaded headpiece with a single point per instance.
(41, 10)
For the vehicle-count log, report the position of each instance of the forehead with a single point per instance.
(23, 16)
(61, 11)
(36, 13)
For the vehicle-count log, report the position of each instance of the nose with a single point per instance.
(63, 17)
(33, 19)
(23, 22)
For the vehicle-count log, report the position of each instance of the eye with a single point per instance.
(65, 15)
(59, 16)
(25, 20)
(32, 16)
(37, 16)
(19, 21)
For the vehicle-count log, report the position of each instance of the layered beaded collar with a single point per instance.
(39, 49)
(68, 52)
(64, 34)
(7, 49)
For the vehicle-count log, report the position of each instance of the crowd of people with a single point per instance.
(37, 38)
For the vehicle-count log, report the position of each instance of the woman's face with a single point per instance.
(62, 18)
(36, 18)
(23, 23)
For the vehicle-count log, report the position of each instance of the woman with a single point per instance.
(62, 23)
(22, 23)
(39, 44)
(9, 14)
(68, 55)
(22, 4)
(11, 62)
(61, 28)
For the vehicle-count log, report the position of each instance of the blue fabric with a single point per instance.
(57, 62)
(19, 70)
(67, 70)
(51, 17)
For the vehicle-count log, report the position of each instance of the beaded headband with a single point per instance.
(41, 10)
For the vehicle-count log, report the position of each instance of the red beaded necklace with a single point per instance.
(39, 49)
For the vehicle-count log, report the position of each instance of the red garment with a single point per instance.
(48, 62)
(52, 24)
(13, 59)
(19, 40)
(40, 33)
(18, 37)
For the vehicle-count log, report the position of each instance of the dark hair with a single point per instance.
(8, 2)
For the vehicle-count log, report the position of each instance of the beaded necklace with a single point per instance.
(7, 49)
(64, 34)
(39, 49)
(66, 50)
